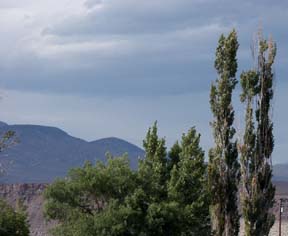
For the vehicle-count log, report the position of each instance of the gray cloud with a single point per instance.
(128, 47)
(92, 3)
(153, 53)
(14, 3)
(142, 17)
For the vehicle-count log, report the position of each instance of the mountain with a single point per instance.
(44, 153)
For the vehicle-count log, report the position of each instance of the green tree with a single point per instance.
(188, 186)
(156, 213)
(153, 169)
(12, 222)
(111, 199)
(256, 150)
(223, 167)
(79, 201)
(178, 203)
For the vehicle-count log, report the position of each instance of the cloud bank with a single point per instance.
(131, 51)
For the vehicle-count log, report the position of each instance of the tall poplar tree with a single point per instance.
(224, 168)
(256, 150)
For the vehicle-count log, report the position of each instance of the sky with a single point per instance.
(102, 68)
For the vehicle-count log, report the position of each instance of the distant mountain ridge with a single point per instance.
(45, 153)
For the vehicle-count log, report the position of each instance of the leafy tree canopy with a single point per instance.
(165, 196)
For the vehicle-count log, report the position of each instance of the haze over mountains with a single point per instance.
(44, 153)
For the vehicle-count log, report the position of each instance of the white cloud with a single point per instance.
(55, 50)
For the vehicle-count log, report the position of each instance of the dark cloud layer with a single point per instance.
(160, 46)
(134, 49)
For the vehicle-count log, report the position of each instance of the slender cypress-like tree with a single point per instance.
(224, 168)
(256, 165)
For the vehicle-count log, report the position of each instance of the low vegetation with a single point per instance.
(13, 222)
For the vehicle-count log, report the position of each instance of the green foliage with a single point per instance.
(153, 172)
(223, 167)
(174, 155)
(12, 222)
(85, 193)
(256, 150)
(160, 198)
(188, 186)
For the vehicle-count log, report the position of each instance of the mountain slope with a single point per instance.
(44, 153)
(117, 147)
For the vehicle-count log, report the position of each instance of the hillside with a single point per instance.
(44, 153)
